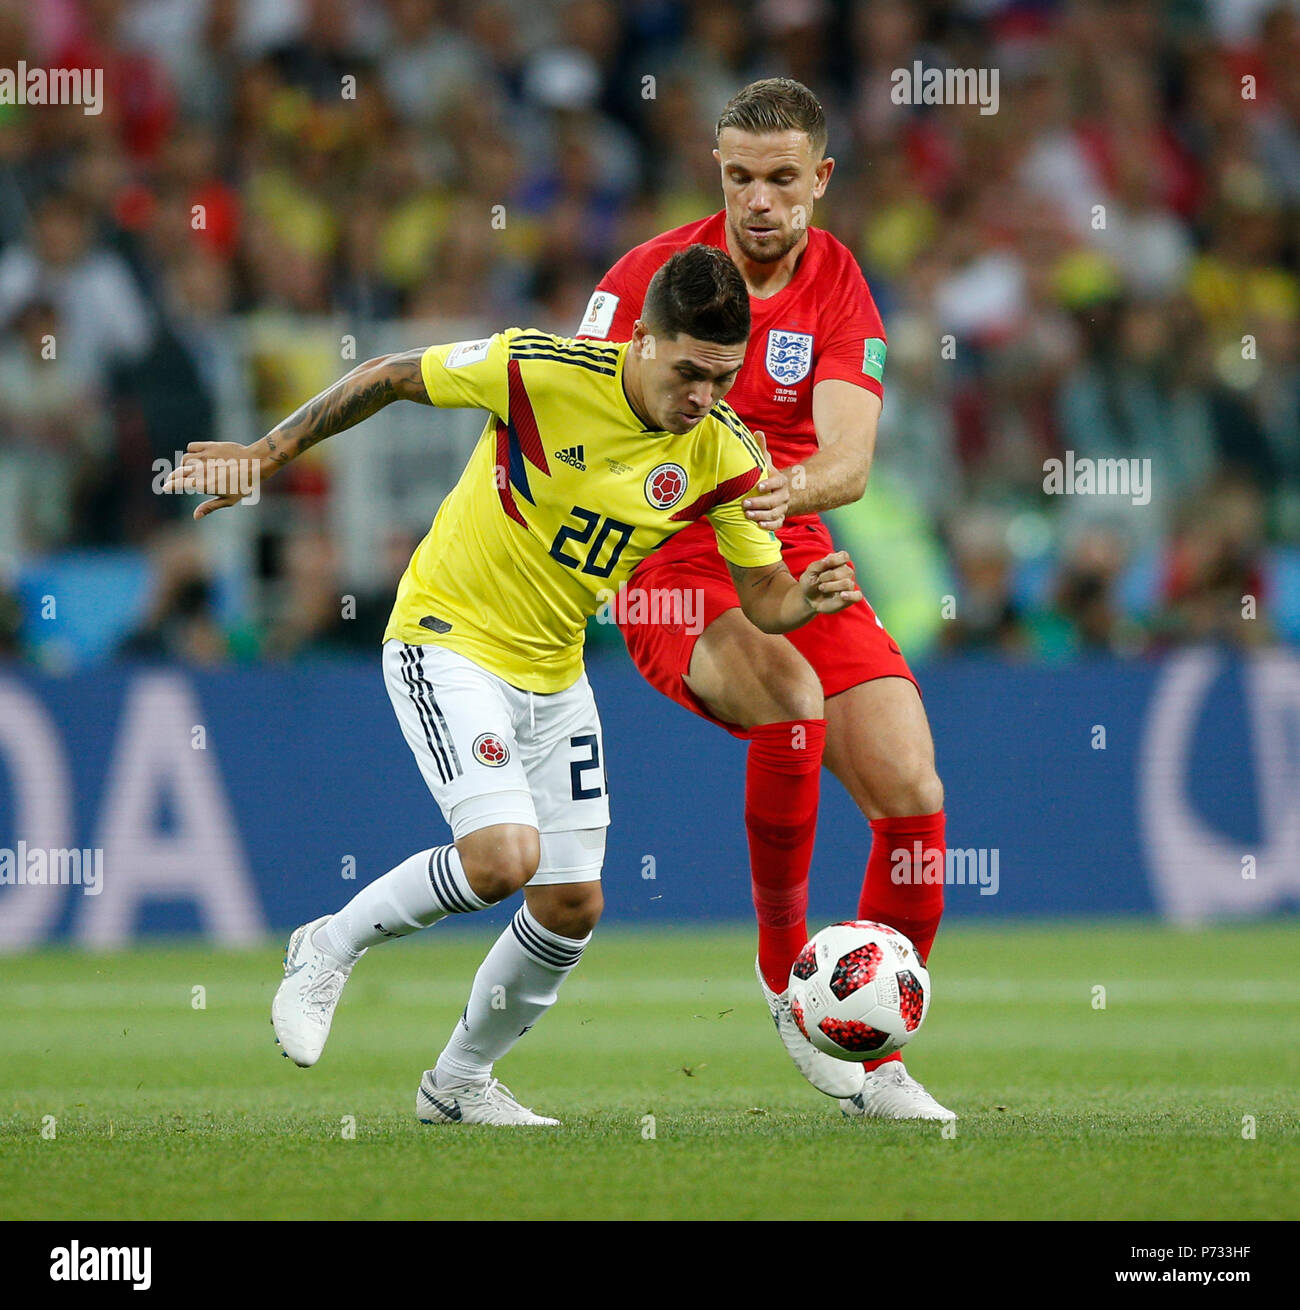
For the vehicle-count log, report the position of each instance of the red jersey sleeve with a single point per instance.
(854, 349)
(615, 305)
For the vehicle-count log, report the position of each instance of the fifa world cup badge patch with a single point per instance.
(468, 352)
(599, 317)
(489, 749)
(665, 485)
(789, 356)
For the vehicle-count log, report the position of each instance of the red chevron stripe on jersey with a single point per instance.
(502, 475)
(723, 492)
(524, 421)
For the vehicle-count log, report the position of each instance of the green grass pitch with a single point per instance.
(1143, 1109)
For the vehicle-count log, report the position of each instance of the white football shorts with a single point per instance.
(492, 753)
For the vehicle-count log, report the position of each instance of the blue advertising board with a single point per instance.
(160, 799)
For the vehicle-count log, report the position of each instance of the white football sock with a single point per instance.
(421, 890)
(515, 985)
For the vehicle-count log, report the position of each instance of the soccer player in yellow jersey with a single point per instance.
(593, 454)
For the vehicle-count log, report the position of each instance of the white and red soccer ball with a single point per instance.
(858, 990)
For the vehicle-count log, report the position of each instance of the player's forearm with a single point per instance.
(775, 601)
(830, 478)
(777, 604)
(352, 399)
(845, 418)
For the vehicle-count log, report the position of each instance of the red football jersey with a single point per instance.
(822, 324)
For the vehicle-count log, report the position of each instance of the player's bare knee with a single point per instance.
(800, 698)
(931, 794)
(767, 682)
(570, 909)
(791, 685)
(500, 862)
(914, 790)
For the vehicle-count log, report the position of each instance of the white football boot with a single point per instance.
(487, 1102)
(838, 1078)
(303, 1008)
(890, 1092)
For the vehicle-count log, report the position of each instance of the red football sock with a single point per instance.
(912, 906)
(782, 778)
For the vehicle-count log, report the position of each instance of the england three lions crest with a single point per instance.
(789, 356)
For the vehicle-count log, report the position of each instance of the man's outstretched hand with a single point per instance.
(224, 470)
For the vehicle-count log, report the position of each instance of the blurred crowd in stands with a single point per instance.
(1106, 265)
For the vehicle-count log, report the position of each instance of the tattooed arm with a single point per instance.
(232, 471)
(356, 396)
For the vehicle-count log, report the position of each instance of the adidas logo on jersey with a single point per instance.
(572, 457)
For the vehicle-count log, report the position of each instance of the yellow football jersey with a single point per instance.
(565, 494)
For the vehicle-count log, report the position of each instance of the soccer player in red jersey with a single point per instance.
(838, 691)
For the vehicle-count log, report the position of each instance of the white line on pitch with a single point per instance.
(627, 991)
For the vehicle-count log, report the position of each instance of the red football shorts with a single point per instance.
(844, 649)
